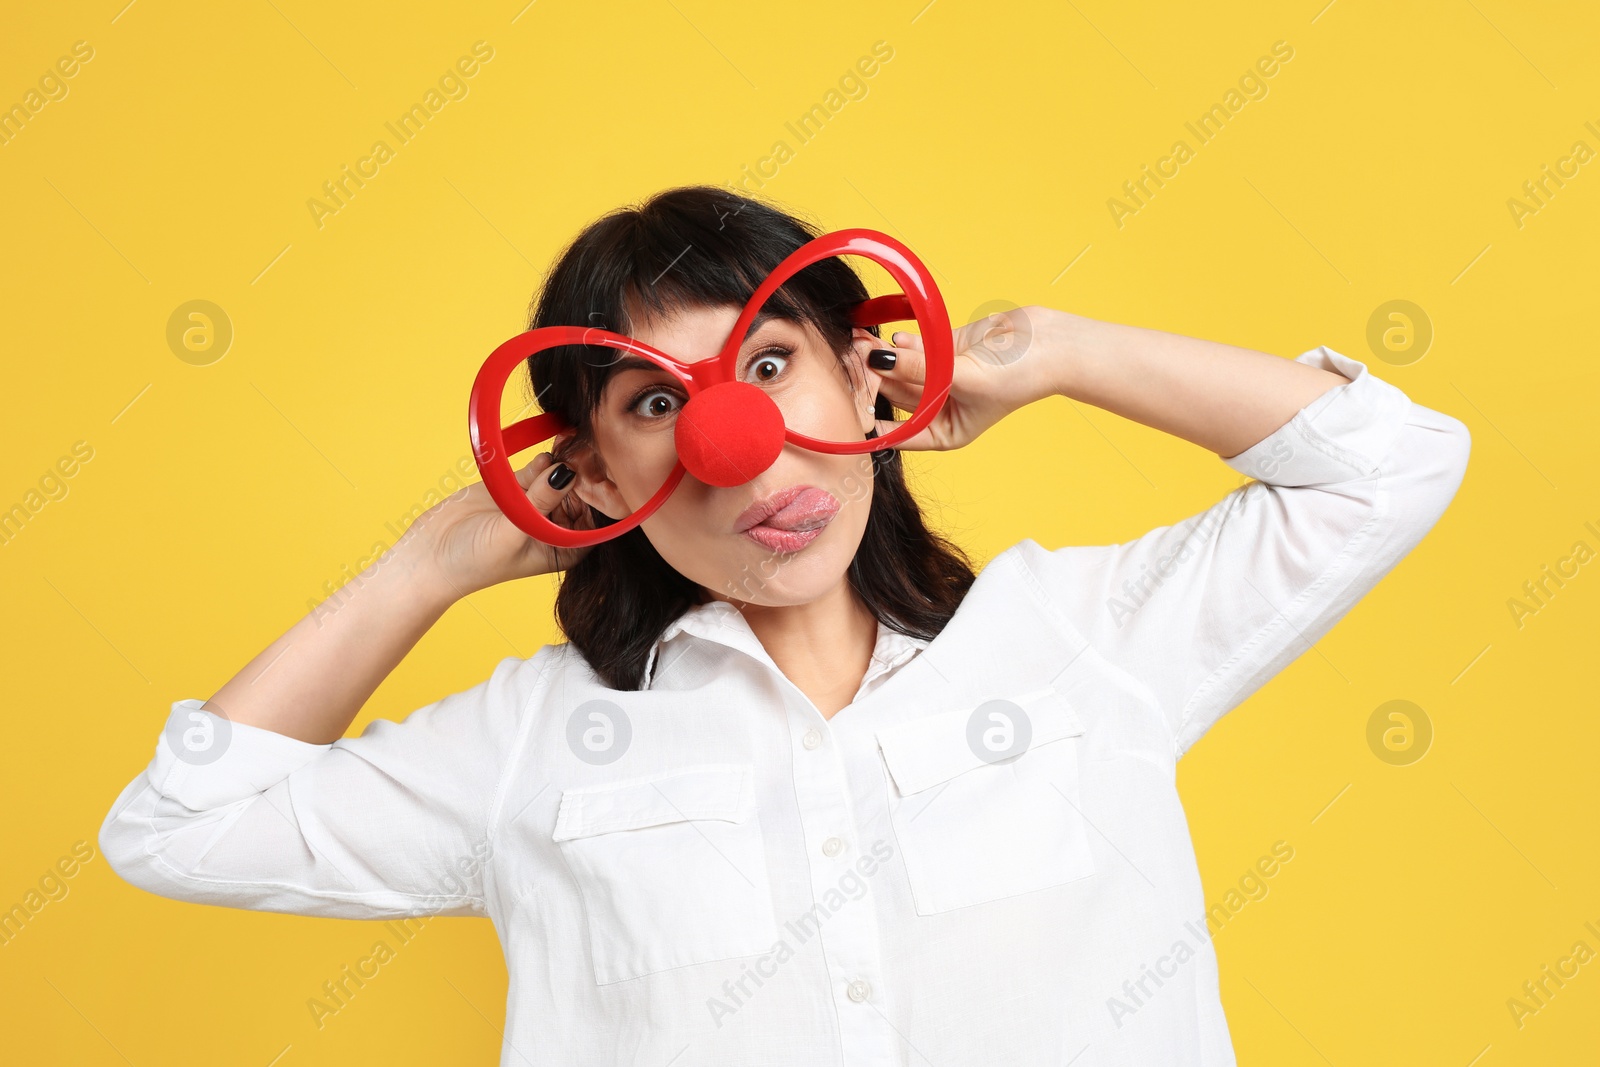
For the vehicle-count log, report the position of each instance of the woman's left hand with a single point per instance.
(1003, 362)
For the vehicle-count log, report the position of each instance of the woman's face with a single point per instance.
(802, 551)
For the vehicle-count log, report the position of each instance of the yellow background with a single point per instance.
(1378, 167)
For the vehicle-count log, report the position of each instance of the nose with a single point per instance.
(728, 434)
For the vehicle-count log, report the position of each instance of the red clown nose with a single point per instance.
(728, 434)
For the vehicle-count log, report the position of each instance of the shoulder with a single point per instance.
(524, 679)
(1045, 570)
(1071, 586)
(491, 712)
(1024, 573)
(555, 675)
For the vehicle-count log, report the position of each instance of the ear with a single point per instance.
(863, 383)
(591, 486)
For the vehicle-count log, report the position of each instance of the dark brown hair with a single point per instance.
(691, 247)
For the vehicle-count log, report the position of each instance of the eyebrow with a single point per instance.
(631, 362)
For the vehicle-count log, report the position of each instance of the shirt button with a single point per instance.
(858, 991)
(812, 739)
(832, 847)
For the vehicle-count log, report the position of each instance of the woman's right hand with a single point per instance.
(473, 545)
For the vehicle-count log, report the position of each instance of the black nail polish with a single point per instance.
(881, 359)
(560, 476)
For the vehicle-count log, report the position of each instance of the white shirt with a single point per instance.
(710, 872)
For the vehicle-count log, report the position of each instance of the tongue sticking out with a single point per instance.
(809, 510)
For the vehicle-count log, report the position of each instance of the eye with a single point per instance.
(770, 363)
(654, 402)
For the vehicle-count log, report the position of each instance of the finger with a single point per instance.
(893, 382)
(901, 394)
(527, 474)
(535, 479)
(908, 367)
(906, 339)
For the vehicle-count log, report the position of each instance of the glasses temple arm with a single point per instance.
(880, 309)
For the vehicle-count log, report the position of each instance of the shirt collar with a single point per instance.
(892, 649)
(720, 622)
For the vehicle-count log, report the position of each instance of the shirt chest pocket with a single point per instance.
(672, 870)
(984, 800)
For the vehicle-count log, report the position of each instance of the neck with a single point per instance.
(822, 646)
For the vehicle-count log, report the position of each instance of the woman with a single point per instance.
(799, 788)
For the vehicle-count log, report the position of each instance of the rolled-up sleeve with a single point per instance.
(391, 823)
(1204, 611)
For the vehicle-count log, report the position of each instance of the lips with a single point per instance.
(797, 509)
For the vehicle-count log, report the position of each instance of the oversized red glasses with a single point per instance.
(728, 431)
